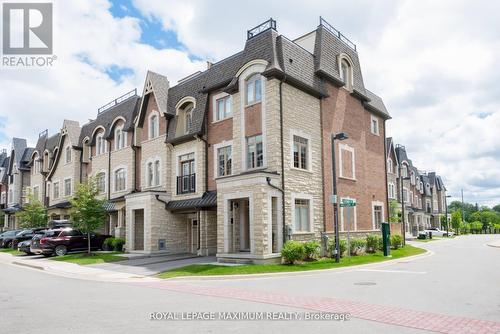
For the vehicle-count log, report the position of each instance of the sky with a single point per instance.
(433, 63)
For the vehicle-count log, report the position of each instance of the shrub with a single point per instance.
(108, 244)
(342, 246)
(357, 246)
(293, 251)
(311, 249)
(396, 241)
(373, 243)
(118, 244)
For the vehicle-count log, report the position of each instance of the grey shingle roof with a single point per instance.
(401, 153)
(376, 104)
(73, 129)
(126, 109)
(18, 146)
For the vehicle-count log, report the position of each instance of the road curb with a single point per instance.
(28, 265)
(297, 273)
(496, 244)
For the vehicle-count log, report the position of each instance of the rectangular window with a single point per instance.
(302, 212)
(374, 125)
(120, 179)
(157, 173)
(255, 155)
(67, 187)
(56, 189)
(68, 154)
(300, 152)
(405, 195)
(223, 106)
(224, 161)
(186, 181)
(36, 193)
(391, 190)
(100, 181)
(377, 216)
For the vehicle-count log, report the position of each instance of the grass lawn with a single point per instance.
(93, 258)
(214, 270)
(11, 251)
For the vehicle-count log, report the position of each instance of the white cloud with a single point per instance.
(432, 62)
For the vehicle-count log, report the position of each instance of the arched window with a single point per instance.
(346, 72)
(150, 174)
(157, 173)
(120, 179)
(120, 138)
(189, 119)
(389, 166)
(253, 89)
(100, 144)
(153, 126)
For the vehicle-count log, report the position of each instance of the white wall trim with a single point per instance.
(216, 147)
(214, 106)
(226, 199)
(348, 148)
(300, 133)
(381, 204)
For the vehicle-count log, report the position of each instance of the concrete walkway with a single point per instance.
(154, 265)
(494, 244)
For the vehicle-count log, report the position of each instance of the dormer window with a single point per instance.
(154, 128)
(346, 72)
(120, 138)
(101, 144)
(189, 119)
(253, 89)
(223, 108)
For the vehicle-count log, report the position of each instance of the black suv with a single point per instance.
(6, 238)
(25, 235)
(62, 241)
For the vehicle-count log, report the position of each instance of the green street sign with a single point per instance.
(347, 203)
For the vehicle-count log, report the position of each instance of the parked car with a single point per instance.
(436, 232)
(24, 246)
(35, 241)
(25, 235)
(69, 240)
(59, 223)
(6, 238)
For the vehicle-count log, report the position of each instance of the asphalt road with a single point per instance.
(461, 279)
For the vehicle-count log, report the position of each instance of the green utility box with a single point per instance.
(386, 239)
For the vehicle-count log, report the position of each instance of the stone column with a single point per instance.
(120, 229)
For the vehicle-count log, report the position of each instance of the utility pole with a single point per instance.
(463, 218)
(334, 200)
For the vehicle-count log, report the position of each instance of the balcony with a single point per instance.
(186, 184)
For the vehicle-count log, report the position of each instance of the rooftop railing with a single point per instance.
(337, 33)
(117, 101)
(269, 24)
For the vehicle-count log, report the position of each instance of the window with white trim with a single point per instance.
(68, 154)
(153, 173)
(405, 195)
(347, 162)
(392, 190)
(120, 138)
(378, 215)
(390, 166)
(100, 144)
(375, 126)
(411, 197)
(346, 73)
(67, 187)
(300, 152)
(223, 108)
(36, 193)
(154, 127)
(255, 154)
(100, 181)
(224, 161)
(120, 179)
(253, 89)
(302, 215)
(56, 189)
(157, 172)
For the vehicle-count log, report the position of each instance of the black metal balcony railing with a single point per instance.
(337, 33)
(186, 184)
(269, 24)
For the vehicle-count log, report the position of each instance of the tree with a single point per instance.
(33, 214)
(469, 209)
(393, 211)
(456, 220)
(497, 208)
(444, 222)
(88, 211)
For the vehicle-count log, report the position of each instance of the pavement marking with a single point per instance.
(391, 315)
(394, 271)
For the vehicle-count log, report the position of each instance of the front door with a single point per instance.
(194, 235)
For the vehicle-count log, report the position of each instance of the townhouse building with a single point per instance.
(236, 159)
(16, 180)
(423, 194)
(4, 162)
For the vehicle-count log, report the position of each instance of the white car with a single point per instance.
(436, 232)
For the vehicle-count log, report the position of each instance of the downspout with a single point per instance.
(109, 170)
(81, 166)
(386, 179)
(206, 159)
(134, 175)
(282, 163)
